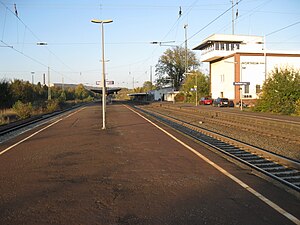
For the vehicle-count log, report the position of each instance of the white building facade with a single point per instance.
(164, 94)
(241, 58)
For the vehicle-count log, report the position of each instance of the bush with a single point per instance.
(52, 105)
(280, 92)
(23, 110)
(179, 97)
(89, 99)
(297, 108)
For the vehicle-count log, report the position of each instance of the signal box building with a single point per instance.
(238, 60)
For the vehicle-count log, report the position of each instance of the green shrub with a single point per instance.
(280, 92)
(89, 99)
(52, 105)
(23, 110)
(297, 108)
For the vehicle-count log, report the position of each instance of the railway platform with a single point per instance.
(137, 171)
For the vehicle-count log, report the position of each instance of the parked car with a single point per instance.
(221, 102)
(205, 101)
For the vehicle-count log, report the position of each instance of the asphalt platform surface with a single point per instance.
(74, 173)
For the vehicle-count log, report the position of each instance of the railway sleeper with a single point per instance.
(237, 152)
(244, 154)
(251, 157)
(266, 165)
(287, 174)
(292, 179)
(258, 161)
(296, 183)
(219, 145)
(277, 169)
(230, 147)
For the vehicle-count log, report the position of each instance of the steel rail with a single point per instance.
(283, 169)
(240, 123)
(249, 115)
(22, 124)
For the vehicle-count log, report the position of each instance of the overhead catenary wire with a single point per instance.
(283, 28)
(211, 22)
(15, 13)
(181, 16)
(30, 57)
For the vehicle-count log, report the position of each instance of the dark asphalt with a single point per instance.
(132, 173)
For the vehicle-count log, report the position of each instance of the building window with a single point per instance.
(258, 89)
(227, 46)
(237, 46)
(247, 89)
(232, 47)
(222, 46)
(217, 45)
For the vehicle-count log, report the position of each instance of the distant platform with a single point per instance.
(108, 90)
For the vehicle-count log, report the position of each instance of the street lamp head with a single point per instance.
(42, 43)
(101, 21)
(161, 42)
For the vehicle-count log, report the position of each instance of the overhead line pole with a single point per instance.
(232, 6)
(186, 51)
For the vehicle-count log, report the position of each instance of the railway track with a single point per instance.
(283, 130)
(22, 126)
(283, 169)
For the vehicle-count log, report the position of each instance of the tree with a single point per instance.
(22, 90)
(5, 99)
(147, 86)
(280, 92)
(171, 66)
(80, 92)
(190, 83)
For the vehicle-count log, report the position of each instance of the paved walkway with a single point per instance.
(131, 173)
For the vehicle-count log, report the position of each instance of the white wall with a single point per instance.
(158, 94)
(222, 78)
(252, 69)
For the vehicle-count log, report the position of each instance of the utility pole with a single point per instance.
(265, 57)
(63, 84)
(133, 82)
(44, 79)
(186, 52)
(151, 74)
(32, 77)
(232, 8)
(49, 88)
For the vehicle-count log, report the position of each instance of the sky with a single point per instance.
(73, 50)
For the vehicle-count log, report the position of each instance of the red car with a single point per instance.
(206, 101)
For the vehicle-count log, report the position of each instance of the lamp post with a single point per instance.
(103, 71)
(49, 88)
